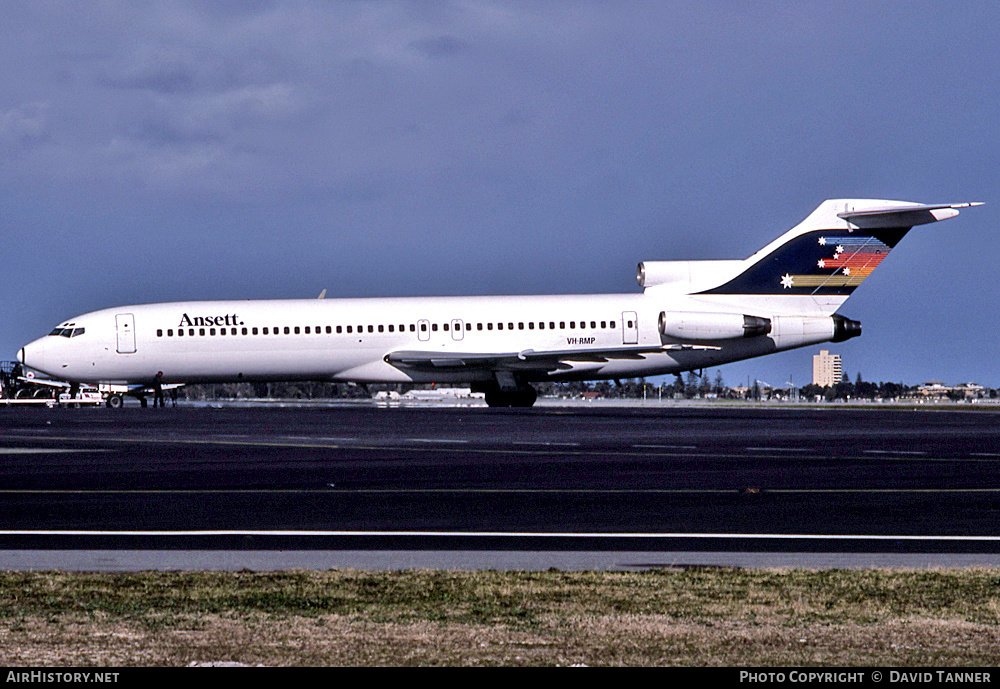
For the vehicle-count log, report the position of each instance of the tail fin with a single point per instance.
(833, 250)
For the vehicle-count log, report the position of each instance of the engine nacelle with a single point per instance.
(799, 331)
(711, 326)
(685, 276)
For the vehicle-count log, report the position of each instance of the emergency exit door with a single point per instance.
(125, 325)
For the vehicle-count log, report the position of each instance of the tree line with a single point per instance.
(690, 385)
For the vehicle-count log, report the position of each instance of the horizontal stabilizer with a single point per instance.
(903, 216)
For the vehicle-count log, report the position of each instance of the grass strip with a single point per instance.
(690, 617)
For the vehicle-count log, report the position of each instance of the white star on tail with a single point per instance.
(787, 281)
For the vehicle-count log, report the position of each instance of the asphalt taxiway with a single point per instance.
(471, 487)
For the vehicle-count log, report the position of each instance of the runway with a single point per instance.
(566, 487)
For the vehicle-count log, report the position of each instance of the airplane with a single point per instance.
(690, 315)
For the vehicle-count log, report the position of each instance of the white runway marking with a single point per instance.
(894, 452)
(330, 489)
(437, 440)
(544, 444)
(779, 449)
(43, 450)
(499, 534)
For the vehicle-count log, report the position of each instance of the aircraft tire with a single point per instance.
(497, 398)
(522, 397)
(525, 397)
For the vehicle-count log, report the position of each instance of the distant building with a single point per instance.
(827, 369)
(938, 390)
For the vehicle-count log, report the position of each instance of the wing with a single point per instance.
(526, 360)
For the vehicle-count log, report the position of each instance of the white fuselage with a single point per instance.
(691, 314)
(349, 339)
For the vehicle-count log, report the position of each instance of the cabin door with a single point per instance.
(125, 326)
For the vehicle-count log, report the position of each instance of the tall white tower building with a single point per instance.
(827, 369)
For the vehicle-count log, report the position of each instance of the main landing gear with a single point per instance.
(521, 396)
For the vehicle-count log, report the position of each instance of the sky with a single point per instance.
(166, 151)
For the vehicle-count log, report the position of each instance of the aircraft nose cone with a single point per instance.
(33, 355)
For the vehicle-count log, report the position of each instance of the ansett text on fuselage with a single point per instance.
(228, 319)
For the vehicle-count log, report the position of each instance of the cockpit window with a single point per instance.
(77, 332)
(65, 332)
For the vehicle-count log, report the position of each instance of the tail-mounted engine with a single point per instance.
(711, 326)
